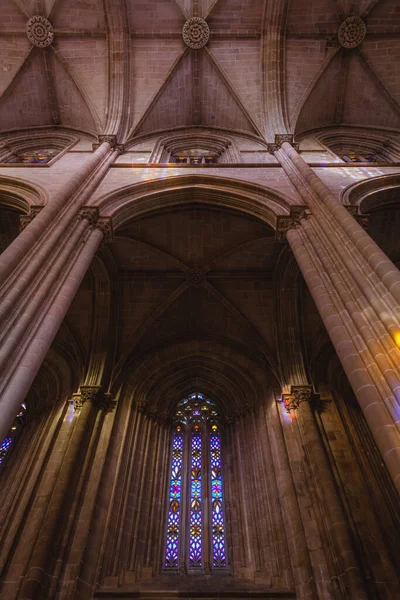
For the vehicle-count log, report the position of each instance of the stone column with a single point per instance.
(47, 227)
(24, 360)
(41, 563)
(356, 304)
(299, 401)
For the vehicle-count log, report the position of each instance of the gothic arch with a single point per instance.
(140, 199)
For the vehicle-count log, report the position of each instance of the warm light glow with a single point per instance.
(397, 338)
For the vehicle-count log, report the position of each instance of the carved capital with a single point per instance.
(120, 148)
(105, 226)
(110, 139)
(280, 138)
(106, 402)
(298, 394)
(91, 213)
(90, 393)
(24, 220)
(283, 224)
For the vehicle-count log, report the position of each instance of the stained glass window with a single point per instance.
(196, 489)
(175, 493)
(196, 499)
(217, 508)
(39, 157)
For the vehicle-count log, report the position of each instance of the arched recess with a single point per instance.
(244, 390)
(379, 199)
(17, 200)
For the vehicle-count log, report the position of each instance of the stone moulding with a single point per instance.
(195, 33)
(39, 31)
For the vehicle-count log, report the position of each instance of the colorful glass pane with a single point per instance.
(196, 500)
(5, 445)
(175, 499)
(217, 507)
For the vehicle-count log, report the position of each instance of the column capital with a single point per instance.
(292, 221)
(106, 402)
(281, 138)
(91, 213)
(297, 395)
(110, 139)
(104, 224)
(24, 220)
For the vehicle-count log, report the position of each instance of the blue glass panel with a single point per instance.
(196, 500)
(217, 507)
(175, 495)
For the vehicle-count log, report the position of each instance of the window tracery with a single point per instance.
(35, 157)
(195, 532)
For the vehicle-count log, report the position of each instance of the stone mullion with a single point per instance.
(40, 337)
(373, 264)
(43, 557)
(337, 526)
(126, 481)
(74, 524)
(82, 526)
(130, 561)
(301, 569)
(369, 328)
(367, 387)
(241, 523)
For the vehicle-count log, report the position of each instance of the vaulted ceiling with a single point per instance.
(122, 67)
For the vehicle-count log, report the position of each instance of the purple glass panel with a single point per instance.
(175, 495)
(196, 500)
(217, 510)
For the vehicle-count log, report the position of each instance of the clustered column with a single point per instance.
(40, 274)
(357, 291)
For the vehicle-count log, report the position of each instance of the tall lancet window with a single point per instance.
(195, 535)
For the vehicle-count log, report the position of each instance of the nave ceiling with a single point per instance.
(270, 66)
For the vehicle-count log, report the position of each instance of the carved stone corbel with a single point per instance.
(299, 394)
(292, 221)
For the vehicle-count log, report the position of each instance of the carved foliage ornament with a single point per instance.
(196, 33)
(352, 32)
(39, 31)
